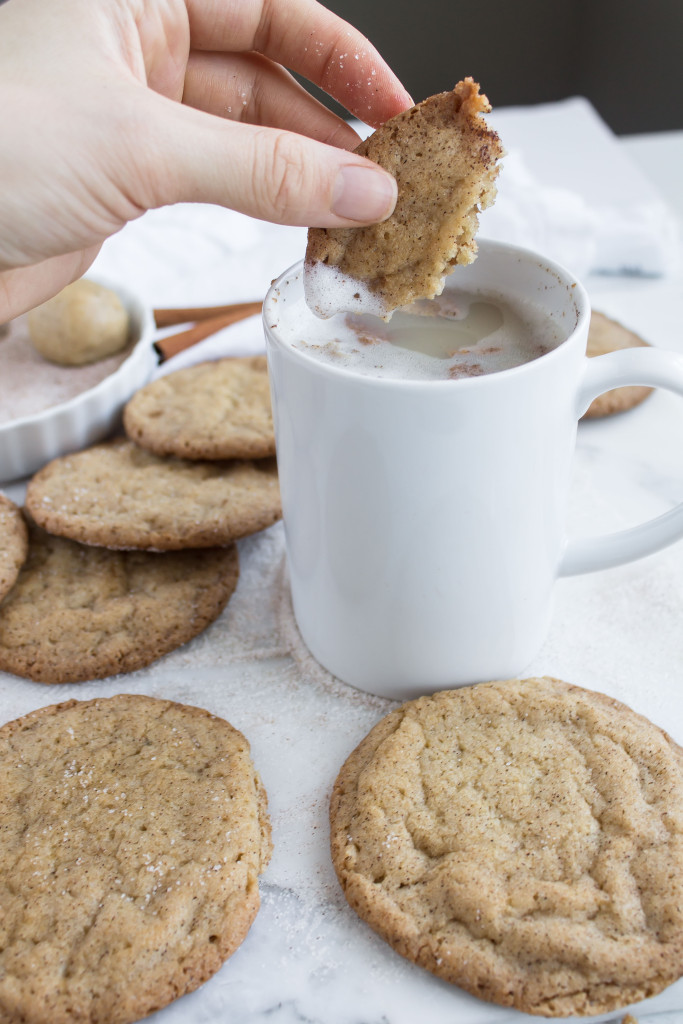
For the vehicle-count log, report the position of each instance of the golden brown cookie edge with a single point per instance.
(211, 603)
(129, 1007)
(378, 911)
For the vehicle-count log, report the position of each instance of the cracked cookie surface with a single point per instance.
(520, 839)
(80, 612)
(117, 495)
(218, 410)
(13, 544)
(134, 830)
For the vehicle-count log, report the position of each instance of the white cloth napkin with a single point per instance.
(568, 190)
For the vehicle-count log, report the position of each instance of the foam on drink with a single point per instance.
(458, 334)
(329, 291)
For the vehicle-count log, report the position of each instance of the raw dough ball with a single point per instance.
(85, 322)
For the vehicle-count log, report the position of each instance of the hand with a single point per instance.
(109, 108)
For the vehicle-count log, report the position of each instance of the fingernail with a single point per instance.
(363, 194)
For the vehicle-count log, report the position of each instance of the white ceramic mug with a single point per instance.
(425, 520)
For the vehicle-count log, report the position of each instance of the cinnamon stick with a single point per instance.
(174, 343)
(171, 317)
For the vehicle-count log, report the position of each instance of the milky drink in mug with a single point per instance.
(458, 334)
(424, 489)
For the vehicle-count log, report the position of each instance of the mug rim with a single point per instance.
(581, 302)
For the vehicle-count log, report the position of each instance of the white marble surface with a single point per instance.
(307, 957)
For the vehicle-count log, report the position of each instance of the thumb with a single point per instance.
(22, 288)
(192, 156)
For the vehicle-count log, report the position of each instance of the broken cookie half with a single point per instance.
(444, 157)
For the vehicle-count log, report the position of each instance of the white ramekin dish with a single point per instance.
(28, 443)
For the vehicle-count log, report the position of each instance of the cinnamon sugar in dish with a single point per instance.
(30, 384)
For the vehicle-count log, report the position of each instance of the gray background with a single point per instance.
(626, 56)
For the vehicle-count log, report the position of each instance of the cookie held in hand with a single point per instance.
(117, 495)
(134, 831)
(522, 840)
(444, 158)
(78, 612)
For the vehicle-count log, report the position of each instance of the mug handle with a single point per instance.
(644, 366)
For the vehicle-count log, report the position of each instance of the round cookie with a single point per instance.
(520, 839)
(133, 834)
(79, 613)
(215, 410)
(118, 495)
(605, 335)
(83, 323)
(13, 544)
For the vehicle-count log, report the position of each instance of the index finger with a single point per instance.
(305, 37)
